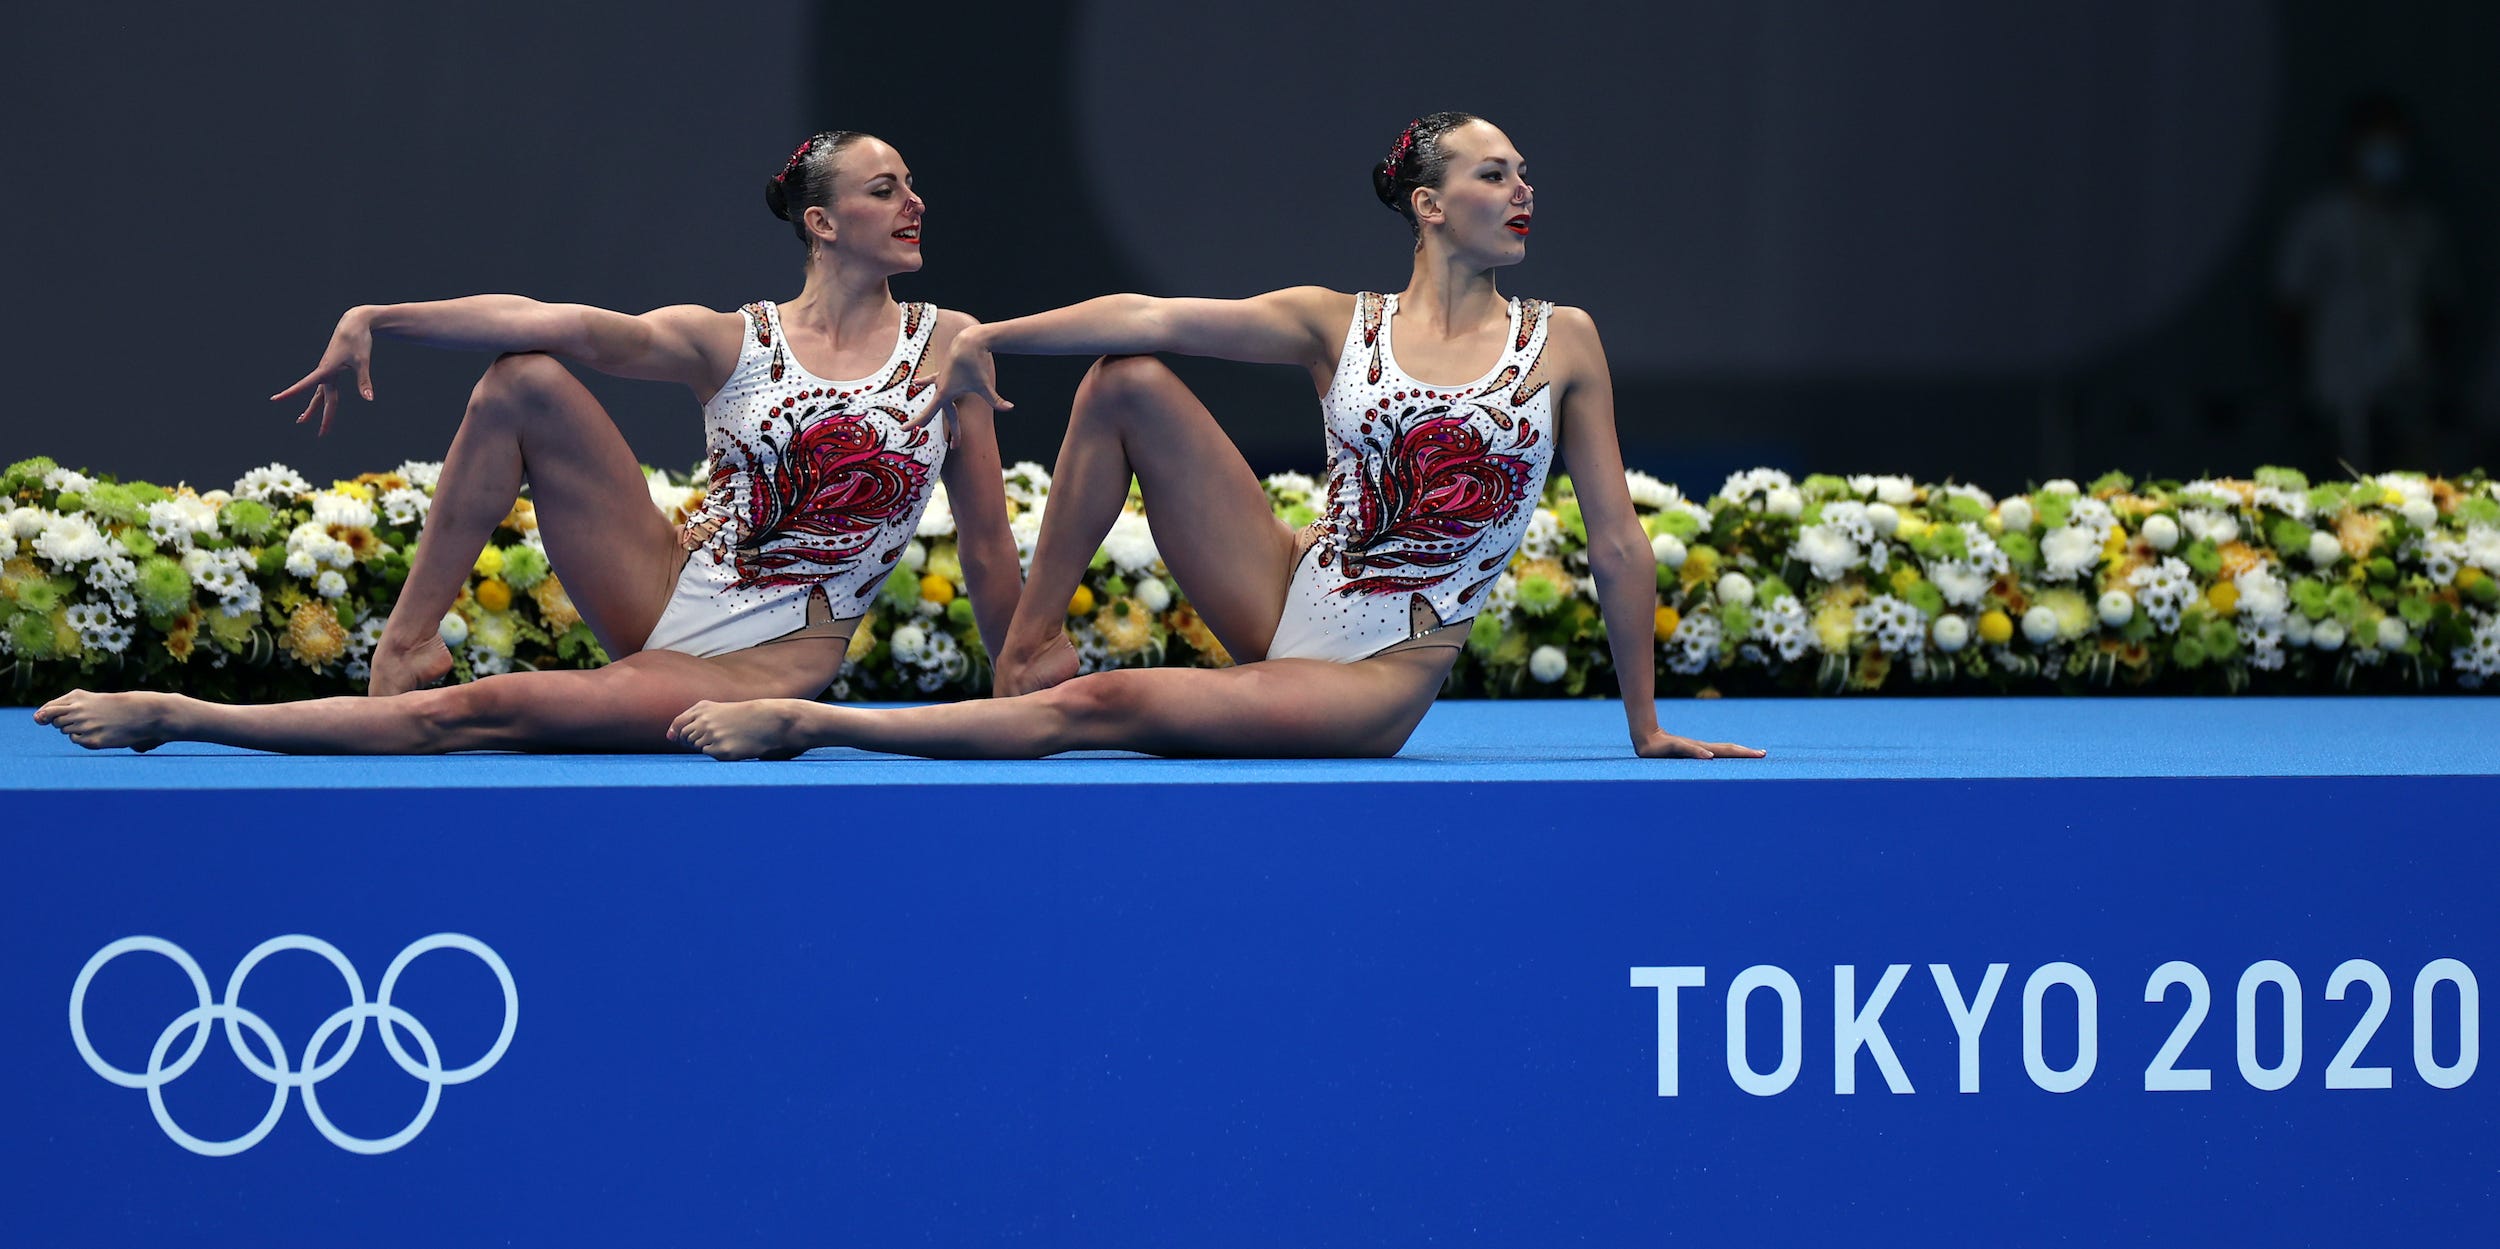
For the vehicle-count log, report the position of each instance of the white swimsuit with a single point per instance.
(816, 488)
(1429, 491)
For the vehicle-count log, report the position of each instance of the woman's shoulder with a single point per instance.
(950, 322)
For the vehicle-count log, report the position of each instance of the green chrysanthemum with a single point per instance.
(26, 474)
(162, 587)
(2020, 549)
(1538, 595)
(31, 634)
(1484, 635)
(249, 519)
(38, 594)
(1926, 598)
(107, 501)
(231, 633)
(523, 567)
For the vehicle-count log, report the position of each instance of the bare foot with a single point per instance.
(105, 721)
(401, 667)
(763, 729)
(1022, 671)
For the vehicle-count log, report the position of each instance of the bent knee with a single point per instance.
(523, 377)
(1127, 379)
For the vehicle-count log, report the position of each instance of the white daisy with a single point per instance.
(273, 481)
(1827, 550)
(1751, 485)
(2067, 551)
(337, 507)
(1130, 546)
(406, 507)
(937, 519)
(70, 540)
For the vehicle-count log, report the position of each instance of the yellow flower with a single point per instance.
(185, 634)
(2393, 498)
(380, 481)
(232, 633)
(363, 543)
(1193, 629)
(1668, 618)
(1833, 623)
(523, 518)
(1701, 565)
(1904, 579)
(2076, 615)
(1124, 626)
(2468, 577)
(863, 640)
(357, 488)
(1082, 602)
(2224, 598)
(2114, 550)
(1912, 527)
(494, 595)
(555, 606)
(2239, 557)
(2359, 532)
(489, 561)
(937, 589)
(944, 562)
(313, 634)
(1995, 627)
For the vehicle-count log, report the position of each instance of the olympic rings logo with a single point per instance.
(199, 1020)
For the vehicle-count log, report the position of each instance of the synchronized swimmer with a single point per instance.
(1345, 630)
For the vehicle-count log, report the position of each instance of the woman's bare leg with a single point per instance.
(530, 420)
(1304, 708)
(1211, 518)
(626, 705)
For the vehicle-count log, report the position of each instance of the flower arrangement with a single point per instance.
(276, 588)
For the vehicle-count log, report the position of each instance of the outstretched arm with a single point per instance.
(1619, 555)
(1298, 325)
(696, 347)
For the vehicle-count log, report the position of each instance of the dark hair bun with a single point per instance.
(776, 199)
(1385, 183)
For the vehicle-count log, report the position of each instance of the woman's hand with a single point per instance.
(1661, 744)
(349, 358)
(970, 370)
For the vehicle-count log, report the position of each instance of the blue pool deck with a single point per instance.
(1808, 740)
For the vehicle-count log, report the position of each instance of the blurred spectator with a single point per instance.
(2369, 289)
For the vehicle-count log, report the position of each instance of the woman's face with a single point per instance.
(1484, 202)
(875, 214)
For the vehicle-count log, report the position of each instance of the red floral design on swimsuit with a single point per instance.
(1429, 490)
(816, 487)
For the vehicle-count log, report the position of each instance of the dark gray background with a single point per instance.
(1930, 236)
